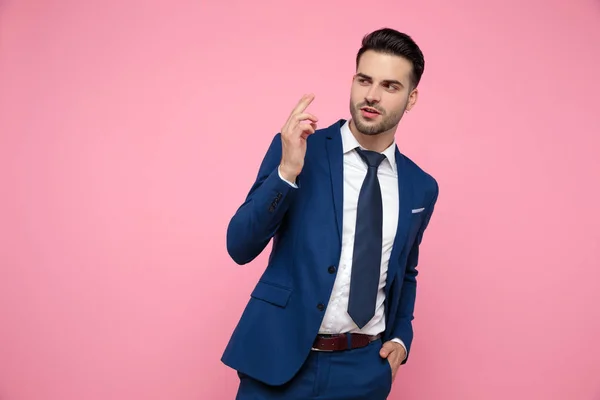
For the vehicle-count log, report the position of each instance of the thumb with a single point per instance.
(386, 349)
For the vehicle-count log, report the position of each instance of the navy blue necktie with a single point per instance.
(366, 260)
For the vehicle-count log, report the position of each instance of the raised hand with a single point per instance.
(294, 133)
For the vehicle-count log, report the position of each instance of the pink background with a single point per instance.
(131, 131)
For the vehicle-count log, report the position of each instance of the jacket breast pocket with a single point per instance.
(276, 295)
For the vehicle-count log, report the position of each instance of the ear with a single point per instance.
(412, 99)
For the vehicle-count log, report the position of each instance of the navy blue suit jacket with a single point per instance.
(283, 315)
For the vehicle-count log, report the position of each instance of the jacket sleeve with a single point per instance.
(403, 328)
(258, 218)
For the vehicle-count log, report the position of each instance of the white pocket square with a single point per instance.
(417, 210)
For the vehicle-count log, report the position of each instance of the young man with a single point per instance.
(331, 316)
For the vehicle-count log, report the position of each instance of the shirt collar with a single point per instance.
(349, 143)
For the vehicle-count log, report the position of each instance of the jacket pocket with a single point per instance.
(270, 293)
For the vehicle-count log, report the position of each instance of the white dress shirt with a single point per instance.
(336, 319)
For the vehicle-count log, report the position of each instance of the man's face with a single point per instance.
(381, 92)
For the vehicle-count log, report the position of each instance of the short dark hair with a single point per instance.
(390, 41)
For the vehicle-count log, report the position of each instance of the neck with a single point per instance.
(376, 143)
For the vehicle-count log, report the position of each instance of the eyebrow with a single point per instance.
(388, 81)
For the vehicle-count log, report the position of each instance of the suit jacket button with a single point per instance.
(331, 269)
(321, 307)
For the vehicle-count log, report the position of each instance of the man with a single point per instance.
(331, 316)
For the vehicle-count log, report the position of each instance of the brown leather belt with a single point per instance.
(343, 341)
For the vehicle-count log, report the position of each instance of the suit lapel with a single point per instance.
(336, 169)
(405, 193)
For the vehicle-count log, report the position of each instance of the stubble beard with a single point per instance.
(387, 121)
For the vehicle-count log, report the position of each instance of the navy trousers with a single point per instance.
(357, 374)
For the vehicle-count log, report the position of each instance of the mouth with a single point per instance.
(369, 113)
(370, 110)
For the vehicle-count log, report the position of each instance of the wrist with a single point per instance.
(287, 174)
(400, 346)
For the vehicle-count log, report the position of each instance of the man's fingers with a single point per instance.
(305, 125)
(307, 128)
(301, 122)
(386, 349)
(306, 116)
(303, 103)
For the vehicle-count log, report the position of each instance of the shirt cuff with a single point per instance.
(285, 180)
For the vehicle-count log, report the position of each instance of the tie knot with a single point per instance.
(372, 158)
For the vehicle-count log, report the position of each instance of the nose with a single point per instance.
(373, 95)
